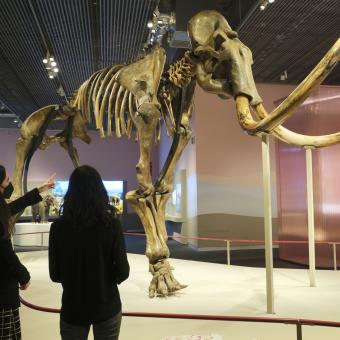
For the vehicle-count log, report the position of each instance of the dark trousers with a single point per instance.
(105, 330)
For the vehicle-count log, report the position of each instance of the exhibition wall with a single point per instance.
(224, 186)
(114, 158)
(318, 115)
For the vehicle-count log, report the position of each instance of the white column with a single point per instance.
(310, 212)
(267, 222)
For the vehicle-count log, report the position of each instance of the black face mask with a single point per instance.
(8, 191)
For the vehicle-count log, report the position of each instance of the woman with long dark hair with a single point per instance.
(87, 256)
(13, 275)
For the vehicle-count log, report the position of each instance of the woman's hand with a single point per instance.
(25, 286)
(49, 184)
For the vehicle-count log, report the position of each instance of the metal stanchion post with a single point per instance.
(298, 331)
(228, 253)
(42, 240)
(334, 256)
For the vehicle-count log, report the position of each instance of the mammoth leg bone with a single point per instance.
(163, 278)
(67, 143)
(32, 137)
(144, 200)
(296, 98)
(75, 127)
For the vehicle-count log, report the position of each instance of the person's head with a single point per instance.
(6, 189)
(86, 200)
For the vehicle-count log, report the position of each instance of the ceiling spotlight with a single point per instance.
(284, 75)
(51, 59)
(15, 120)
(150, 24)
(56, 70)
(262, 7)
(153, 31)
(45, 61)
(271, 1)
(53, 63)
(51, 76)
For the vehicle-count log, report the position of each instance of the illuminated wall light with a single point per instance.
(265, 3)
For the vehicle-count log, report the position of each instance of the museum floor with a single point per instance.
(214, 289)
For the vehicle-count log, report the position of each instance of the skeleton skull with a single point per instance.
(223, 66)
(225, 61)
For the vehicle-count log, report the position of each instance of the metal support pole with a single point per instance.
(267, 222)
(228, 253)
(334, 256)
(310, 210)
(42, 240)
(298, 331)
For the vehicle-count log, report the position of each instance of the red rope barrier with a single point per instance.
(205, 317)
(236, 240)
(36, 232)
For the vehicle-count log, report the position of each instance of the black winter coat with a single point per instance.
(12, 272)
(89, 262)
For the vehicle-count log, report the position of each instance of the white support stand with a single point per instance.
(228, 253)
(334, 256)
(310, 211)
(267, 222)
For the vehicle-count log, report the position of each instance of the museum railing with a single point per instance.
(217, 239)
(289, 321)
(240, 241)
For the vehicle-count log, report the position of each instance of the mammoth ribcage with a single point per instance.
(101, 97)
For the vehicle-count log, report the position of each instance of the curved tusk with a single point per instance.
(296, 98)
(298, 139)
(245, 118)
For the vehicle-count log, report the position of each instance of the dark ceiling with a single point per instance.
(86, 35)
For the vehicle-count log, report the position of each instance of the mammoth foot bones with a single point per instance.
(163, 282)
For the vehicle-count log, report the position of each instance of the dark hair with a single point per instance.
(4, 210)
(86, 201)
(2, 173)
(5, 217)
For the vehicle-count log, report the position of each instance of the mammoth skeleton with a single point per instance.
(135, 98)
